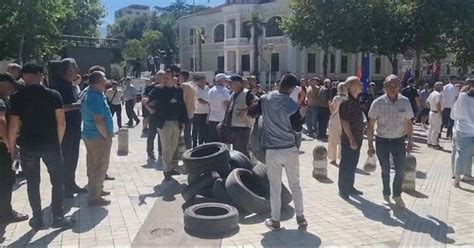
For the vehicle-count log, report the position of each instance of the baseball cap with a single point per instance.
(31, 68)
(220, 76)
(236, 78)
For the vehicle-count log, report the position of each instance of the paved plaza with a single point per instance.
(146, 213)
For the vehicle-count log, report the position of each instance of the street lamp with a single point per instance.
(270, 47)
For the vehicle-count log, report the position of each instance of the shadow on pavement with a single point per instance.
(374, 212)
(420, 175)
(166, 190)
(251, 218)
(361, 172)
(2, 233)
(89, 218)
(24, 241)
(290, 238)
(416, 194)
(325, 180)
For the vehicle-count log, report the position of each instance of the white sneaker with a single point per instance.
(468, 178)
(398, 200)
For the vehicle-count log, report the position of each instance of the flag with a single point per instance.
(365, 74)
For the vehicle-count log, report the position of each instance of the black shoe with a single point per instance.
(272, 225)
(438, 147)
(68, 195)
(344, 196)
(14, 217)
(356, 192)
(174, 173)
(20, 174)
(78, 190)
(430, 145)
(302, 222)
(138, 122)
(37, 223)
(168, 176)
(61, 222)
(109, 178)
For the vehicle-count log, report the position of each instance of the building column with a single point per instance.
(237, 61)
(238, 23)
(226, 68)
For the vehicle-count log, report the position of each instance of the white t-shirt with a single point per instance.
(433, 100)
(217, 95)
(463, 114)
(117, 98)
(294, 94)
(450, 92)
(202, 93)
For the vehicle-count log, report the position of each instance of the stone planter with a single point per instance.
(409, 180)
(320, 162)
(122, 142)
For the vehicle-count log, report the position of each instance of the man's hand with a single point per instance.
(409, 147)
(354, 145)
(371, 151)
(220, 125)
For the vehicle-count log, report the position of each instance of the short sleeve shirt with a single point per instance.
(350, 111)
(114, 96)
(202, 93)
(95, 104)
(433, 100)
(450, 93)
(391, 116)
(69, 95)
(217, 95)
(411, 93)
(36, 107)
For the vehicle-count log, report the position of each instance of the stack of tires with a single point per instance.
(218, 175)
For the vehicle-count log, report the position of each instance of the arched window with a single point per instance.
(272, 27)
(219, 33)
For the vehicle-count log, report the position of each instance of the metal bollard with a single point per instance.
(122, 142)
(409, 180)
(320, 162)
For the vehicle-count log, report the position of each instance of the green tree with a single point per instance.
(152, 41)
(199, 37)
(83, 17)
(256, 24)
(126, 29)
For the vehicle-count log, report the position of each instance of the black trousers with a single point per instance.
(240, 139)
(117, 109)
(30, 161)
(384, 147)
(212, 134)
(7, 180)
(188, 139)
(150, 140)
(323, 120)
(447, 122)
(70, 151)
(199, 129)
(129, 109)
(347, 168)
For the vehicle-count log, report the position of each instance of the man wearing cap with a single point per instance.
(392, 114)
(15, 70)
(72, 138)
(7, 174)
(41, 114)
(114, 97)
(236, 121)
(219, 98)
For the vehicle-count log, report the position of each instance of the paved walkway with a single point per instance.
(437, 215)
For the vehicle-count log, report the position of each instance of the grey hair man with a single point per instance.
(392, 113)
(435, 101)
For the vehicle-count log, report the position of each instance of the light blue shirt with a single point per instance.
(95, 103)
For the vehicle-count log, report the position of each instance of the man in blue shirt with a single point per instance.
(97, 135)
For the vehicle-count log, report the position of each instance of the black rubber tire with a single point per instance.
(260, 171)
(207, 158)
(211, 220)
(199, 187)
(220, 193)
(239, 160)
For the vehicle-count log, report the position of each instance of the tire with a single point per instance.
(239, 160)
(261, 171)
(199, 187)
(219, 192)
(211, 219)
(247, 191)
(207, 158)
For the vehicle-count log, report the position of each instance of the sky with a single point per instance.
(112, 5)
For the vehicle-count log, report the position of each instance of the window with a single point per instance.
(191, 36)
(219, 33)
(191, 64)
(231, 29)
(378, 66)
(272, 27)
(245, 30)
(275, 62)
(332, 63)
(220, 64)
(245, 62)
(344, 64)
(311, 67)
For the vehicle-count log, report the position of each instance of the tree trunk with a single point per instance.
(22, 43)
(255, 54)
(200, 54)
(394, 62)
(325, 62)
(418, 67)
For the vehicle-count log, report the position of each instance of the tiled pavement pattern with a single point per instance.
(436, 209)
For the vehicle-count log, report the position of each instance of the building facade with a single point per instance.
(227, 48)
(133, 11)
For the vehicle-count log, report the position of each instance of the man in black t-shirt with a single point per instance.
(410, 92)
(41, 114)
(7, 174)
(72, 137)
(152, 130)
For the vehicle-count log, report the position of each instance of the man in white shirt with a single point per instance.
(130, 98)
(114, 98)
(450, 95)
(435, 100)
(201, 112)
(219, 98)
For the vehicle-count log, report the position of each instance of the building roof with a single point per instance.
(136, 6)
(206, 11)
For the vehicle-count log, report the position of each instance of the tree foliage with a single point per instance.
(83, 17)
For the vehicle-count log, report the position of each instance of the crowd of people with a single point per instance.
(40, 122)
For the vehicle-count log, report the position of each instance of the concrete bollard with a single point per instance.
(409, 179)
(122, 142)
(371, 164)
(181, 148)
(320, 162)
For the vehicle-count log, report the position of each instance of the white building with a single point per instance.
(133, 11)
(227, 49)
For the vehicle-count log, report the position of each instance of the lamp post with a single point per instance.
(270, 47)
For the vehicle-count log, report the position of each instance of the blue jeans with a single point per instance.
(312, 119)
(465, 150)
(384, 147)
